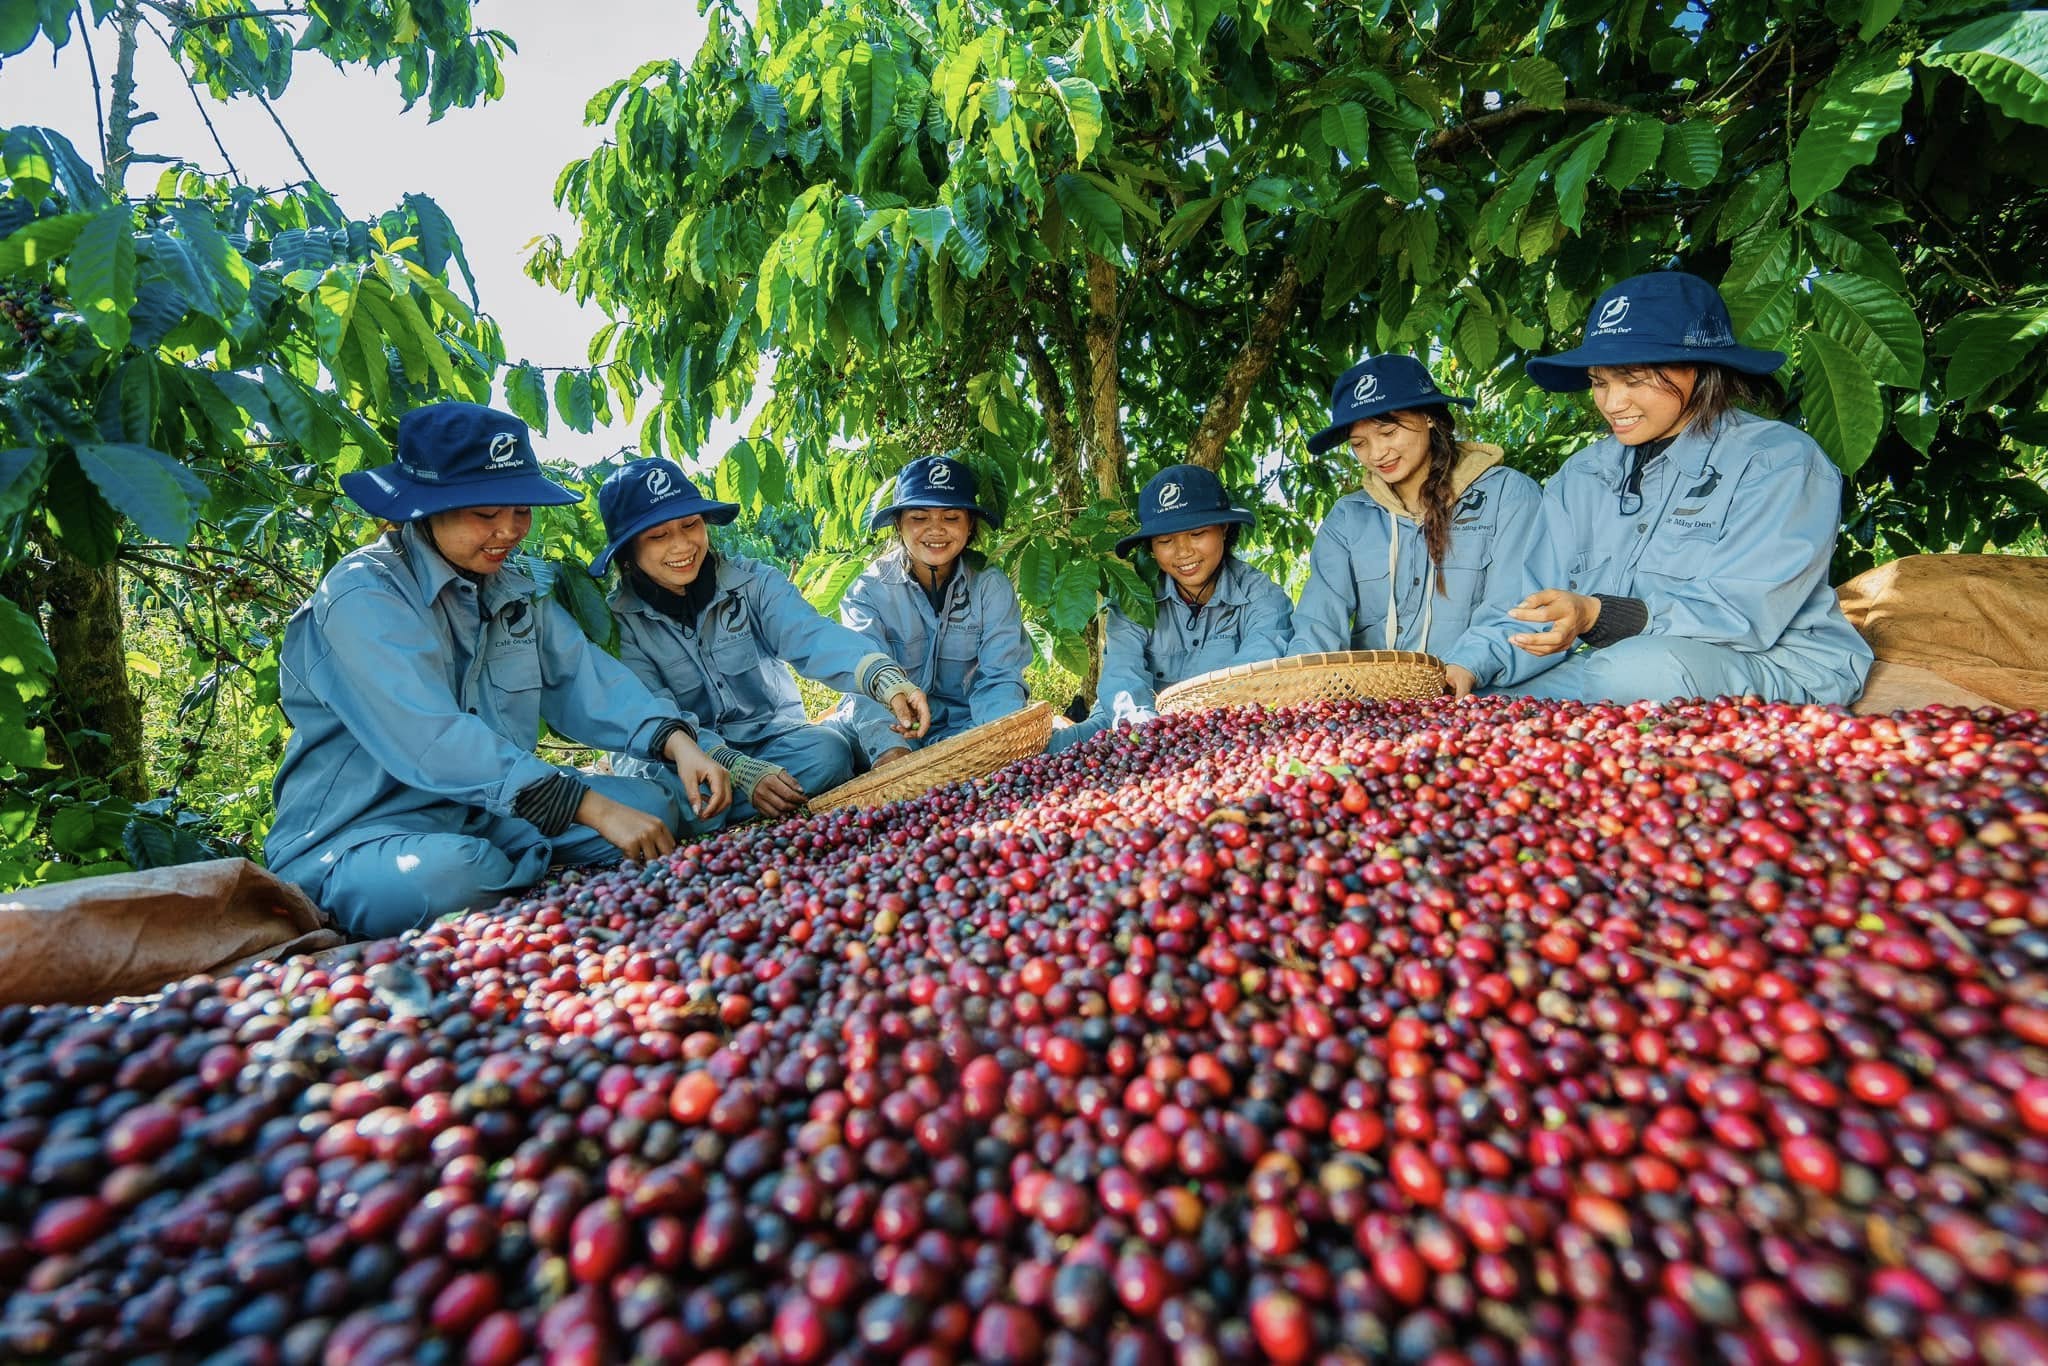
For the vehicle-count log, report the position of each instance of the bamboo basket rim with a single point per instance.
(1357, 673)
(973, 753)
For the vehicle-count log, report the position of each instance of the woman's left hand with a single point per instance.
(1571, 615)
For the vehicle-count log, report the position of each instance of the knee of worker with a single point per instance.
(818, 757)
(840, 723)
(1658, 669)
(398, 884)
(1066, 737)
(659, 794)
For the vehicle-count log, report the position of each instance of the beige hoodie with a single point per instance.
(1474, 459)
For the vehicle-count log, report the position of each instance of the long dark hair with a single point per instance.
(1438, 495)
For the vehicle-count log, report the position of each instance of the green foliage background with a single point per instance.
(1072, 241)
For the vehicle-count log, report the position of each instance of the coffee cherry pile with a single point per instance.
(1501, 1032)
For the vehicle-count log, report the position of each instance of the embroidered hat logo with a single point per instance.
(1611, 315)
(941, 477)
(659, 485)
(1169, 497)
(504, 452)
(1366, 390)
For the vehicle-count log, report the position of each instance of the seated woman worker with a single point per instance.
(1439, 529)
(416, 678)
(717, 635)
(1688, 551)
(930, 602)
(1214, 610)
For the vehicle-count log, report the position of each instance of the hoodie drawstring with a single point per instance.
(1394, 591)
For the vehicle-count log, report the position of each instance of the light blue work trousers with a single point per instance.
(400, 882)
(1659, 668)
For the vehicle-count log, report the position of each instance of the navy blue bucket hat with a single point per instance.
(646, 493)
(1379, 384)
(455, 455)
(1664, 318)
(1182, 498)
(934, 481)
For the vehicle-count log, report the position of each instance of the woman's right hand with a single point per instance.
(637, 834)
(1460, 680)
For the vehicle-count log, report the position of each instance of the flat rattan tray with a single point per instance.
(970, 754)
(1360, 674)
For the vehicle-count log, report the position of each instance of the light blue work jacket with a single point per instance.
(969, 656)
(1371, 584)
(1730, 546)
(729, 675)
(413, 710)
(1245, 621)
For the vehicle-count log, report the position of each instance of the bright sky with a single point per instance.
(492, 169)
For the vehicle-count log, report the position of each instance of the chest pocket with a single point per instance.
(1699, 509)
(729, 626)
(1474, 520)
(512, 658)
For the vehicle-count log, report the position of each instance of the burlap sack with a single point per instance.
(1979, 621)
(89, 941)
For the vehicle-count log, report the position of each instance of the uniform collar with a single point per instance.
(728, 571)
(432, 573)
(894, 567)
(1233, 585)
(1691, 452)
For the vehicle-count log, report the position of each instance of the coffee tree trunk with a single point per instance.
(94, 706)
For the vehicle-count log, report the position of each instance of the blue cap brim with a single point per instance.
(883, 516)
(387, 492)
(1193, 520)
(1336, 432)
(710, 509)
(1565, 372)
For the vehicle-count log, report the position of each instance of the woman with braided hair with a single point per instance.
(1440, 528)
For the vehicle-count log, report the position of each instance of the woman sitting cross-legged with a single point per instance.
(1213, 609)
(1440, 535)
(1689, 550)
(416, 678)
(930, 602)
(718, 635)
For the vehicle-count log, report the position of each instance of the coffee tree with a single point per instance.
(1081, 241)
(186, 372)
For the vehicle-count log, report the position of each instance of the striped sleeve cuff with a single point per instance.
(882, 677)
(550, 804)
(657, 748)
(1620, 618)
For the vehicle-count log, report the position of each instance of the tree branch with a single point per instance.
(1225, 413)
(1455, 139)
(1103, 328)
(1059, 425)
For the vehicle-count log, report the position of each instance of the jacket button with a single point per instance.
(1642, 526)
(472, 711)
(1571, 583)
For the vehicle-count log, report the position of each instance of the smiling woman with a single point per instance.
(717, 635)
(1689, 553)
(416, 680)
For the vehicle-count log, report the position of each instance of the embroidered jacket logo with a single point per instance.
(504, 452)
(1469, 508)
(1704, 489)
(1169, 497)
(1366, 390)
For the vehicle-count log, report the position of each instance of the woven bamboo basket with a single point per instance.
(1362, 674)
(971, 754)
